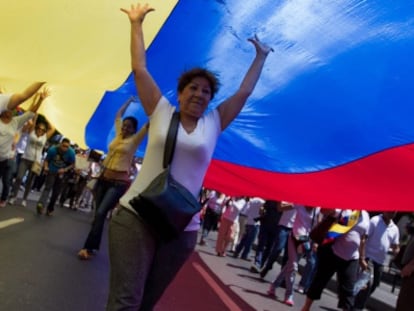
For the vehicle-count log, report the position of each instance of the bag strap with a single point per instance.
(171, 139)
(313, 218)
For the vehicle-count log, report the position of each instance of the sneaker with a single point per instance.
(300, 290)
(24, 203)
(289, 302)
(254, 269)
(3, 203)
(49, 213)
(271, 292)
(39, 208)
(12, 200)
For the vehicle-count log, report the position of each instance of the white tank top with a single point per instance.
(34, 147)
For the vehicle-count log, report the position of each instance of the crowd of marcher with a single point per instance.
(358, 254)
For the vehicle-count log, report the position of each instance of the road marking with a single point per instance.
(10, 222)
(213, 284)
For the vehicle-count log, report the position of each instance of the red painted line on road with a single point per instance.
(217, 289)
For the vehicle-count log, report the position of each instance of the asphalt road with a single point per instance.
(39, 270)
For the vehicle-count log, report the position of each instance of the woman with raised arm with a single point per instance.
(38, 133)
(142, 266)
(114, 180)
(9, 126)
(10, 102)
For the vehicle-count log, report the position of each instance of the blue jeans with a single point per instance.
(346, 271)
(266, 240)
(107, 195)
(288, 272)
(23, 169)
(246, 242)
(296, 250)
(309, 270)
(280, 243)
(7, 168)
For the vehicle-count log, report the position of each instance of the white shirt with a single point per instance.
(9, 130)
(380, 238)
(215, 204)
(347, 245)
(288, 218)
(34, 147)
(254, 208)
(232, 210)
(192, 155)
(303, 220)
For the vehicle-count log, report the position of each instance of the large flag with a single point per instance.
(330, 122)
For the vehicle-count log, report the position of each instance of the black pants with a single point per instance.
(327, 264)
(405, 297)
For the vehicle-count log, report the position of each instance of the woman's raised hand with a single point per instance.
(261, 48)
(44, 93)
(137, 12)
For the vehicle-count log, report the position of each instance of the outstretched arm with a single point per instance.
(18, 98)
(231, 107)
(123, 108)
(30, 125)
(51, 130)
(148, 91)
(38, 100)
(142, 132)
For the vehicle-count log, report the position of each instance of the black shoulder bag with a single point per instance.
(166, 205)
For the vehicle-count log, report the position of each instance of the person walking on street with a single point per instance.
(215, 204)
(59, 160)
(344, 256)
(142, 266)
(114, 179)
(283, 230)
(383, 235)
(269, 219)
(251, 230)
(226, 230)
(38, 134)
(9, 127)
(299, 244)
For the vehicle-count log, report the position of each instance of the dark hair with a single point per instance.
(65, 140)
(38, 123)
(133, 120)
(189, 75)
